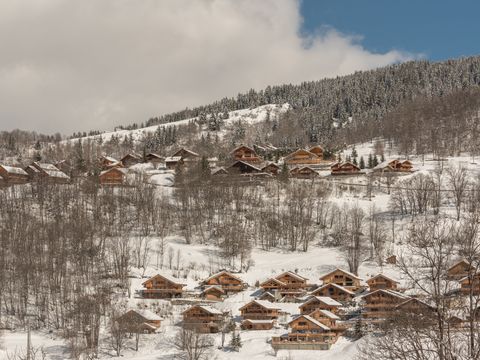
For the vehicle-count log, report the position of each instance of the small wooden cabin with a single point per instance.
(213, 293)
(107, 162)
(187, 156)
(302, 157)
(343, 278)
(50, 173)
(317, 150)
(394, 166)
(344, 168)
(203, 319)
(245, 153)
(13, 175)
(459, 270)
(250, 324)
(226, 280)
(139, 321)
(242, 167)
(304, 172)
(161, 287)
(260, 310)
(380, 304)
(334, 291)
(131, 159)
(113, 176)
(319, 302)
(155, 159)
(271, 168)
(470, 284)
(171, 162)
(381, 281)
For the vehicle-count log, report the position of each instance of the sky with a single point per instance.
(70, 66)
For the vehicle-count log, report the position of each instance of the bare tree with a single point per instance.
(458, 180)
(193, 345)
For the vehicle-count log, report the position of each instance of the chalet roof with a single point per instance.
(173, 158)
(263, 303)
(295, 275)
(122, 170)
(339, 287)
(266, 294)
(300, 151)
(213, 287)
(109, 158)
(155, 156)
(312, 320)
(382, 276)
(56, 174)
(146, 314)
(207, 308)
(389, 292)
(324, 299)
(341, 270)
(269, 163)
(280, 283)
(306, 168)
(341, 164)
(246, 164)
(45, 166)
(185, 150)
(327, 314)
(133, 155)
(14, 170)
(32, 168)
(315, 147)
(170, 279)
(220, 273)
(415, 300)
(462, 261)
(243, 146)
(477, 275)
(258, 321)
(384, 164)
(219, 170)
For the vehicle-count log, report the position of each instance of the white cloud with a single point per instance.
(78, 65)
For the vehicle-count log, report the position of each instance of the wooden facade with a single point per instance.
(131, 159)
(171, 162)
(317, 150)
(226, 280)
(113, 176)
(260, 310)
(242, 167)
(302, 157)
(106, 162)
(304, 172)
(287, 284)
(334, 291)
(394, 166)
(470, 284)
(459, 270)
(155, 159)
(213, 293)
(415, 307)
(271, 168)
(343, 278)
(381, 281)
(161, 287)
(381, 304)
(13, 175)
(249, 324)
(344, 168)
(139, 321)
(319, 302)
(49, 173)
(392, 260)
(203, 318)
(246, 154)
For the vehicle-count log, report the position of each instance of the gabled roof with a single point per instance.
(133, 155)
(45, 166)
(219, 170)
(477, 275)
(206, 308)
(278, 282)
(339, 287)
(324, 299)
(306, 168)
(213, 287)
(463, 261)
(173, 158)
(160, 157)
(312, 320)
(243, 146)
(258, 321)
(326, 313)
(382, 276)
(315, 147)
(122, 170)
(109, 158)
(300, 151)
(387, 292)
(220, 273)
(410, 300)
(146, 314)
(341, 270)
(341, 164)
(246, 164)
(190, 152)
(170, 279)
(292, 274)
(14, 170)
(263, 303)
(270, 163)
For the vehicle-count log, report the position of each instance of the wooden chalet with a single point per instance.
(13, 175)
(131, 159)
(49, 173)
(319, 302)
(267, 296)
(380, 304)
(381, 281)
(171, 162)
(317, 150)
(250, 324)
(155, 159)
(287, 284)
(326, 318)
(242, 167)
(394, 166)
(271, 168)
(203, 319)
(139, 321)
(220, 171)
(304, 172)
(302, 157)
(334, 291)
(226, 280)
(187, 156)
(213, 293)
(459, 270)
(306, 333)
(415, 307)
(113, 176)
(246, 154)
(260, 310)
(470, 284)
(64, 166)
(344, 168)
(107, 162)
(161, 287)
(343, 278)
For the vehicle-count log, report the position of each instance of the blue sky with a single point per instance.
(438, 29)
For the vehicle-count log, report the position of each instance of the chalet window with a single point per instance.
(302, 323)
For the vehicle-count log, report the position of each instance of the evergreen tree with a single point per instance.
(354, 153)
(375, 161)
(284, 173)
(370, 161)
(358, 330)
(362, 163)
(382, 157)
(354, 162)
(235, 341)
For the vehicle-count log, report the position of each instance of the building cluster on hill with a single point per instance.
(324, 312)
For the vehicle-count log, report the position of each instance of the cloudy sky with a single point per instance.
(78, 65)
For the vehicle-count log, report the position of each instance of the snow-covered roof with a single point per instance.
(324, 299)
(382, 276)
(213, 287)
(109, 158)
(148, 315)
(173, 158)
(341, 288)
(386, 291)
(292, 274)
(341, 270)
(122, 170)
(166, 277)
(56, 174)
(14, 170)
(258, 321)
(313, 321)
(462, 261)
(245, 163)
(383, 165)
(280, 283)
(220, 273)
(266, 304)
(328, 314)
(46, 167)
(210, 309)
